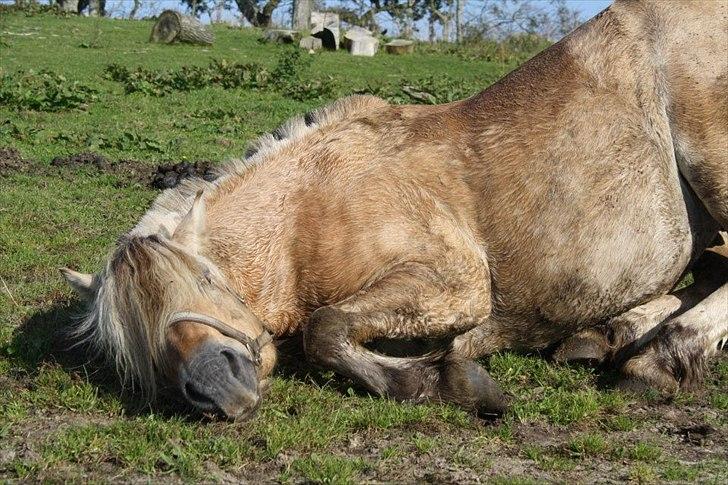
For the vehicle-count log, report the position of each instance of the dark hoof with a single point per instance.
(474, 389)
(587, 348)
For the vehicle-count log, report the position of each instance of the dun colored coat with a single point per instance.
(563, 203)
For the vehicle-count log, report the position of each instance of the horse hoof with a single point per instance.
(488, 399)
(588, 348)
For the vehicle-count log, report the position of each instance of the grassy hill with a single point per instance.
(88, 109)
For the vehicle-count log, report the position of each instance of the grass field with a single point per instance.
(65, 418)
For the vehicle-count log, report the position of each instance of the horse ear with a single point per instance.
(83, 284)
(191, 229)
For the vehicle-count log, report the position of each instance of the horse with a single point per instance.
(562, 204)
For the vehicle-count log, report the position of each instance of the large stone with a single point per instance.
(356, 30)
(310, 43)
(319, 20)
(400, 46)
(325, 26)
(362, 45)
(282, 36)
(68, 5)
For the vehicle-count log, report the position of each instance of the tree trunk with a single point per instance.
(409, 15)
(301, 14)
(256, 16)
(431, 29)
(444, 19)
(217, 11)
(172, 26)
(68, 5)
(459, 20)
(135, 8)
(96, 8)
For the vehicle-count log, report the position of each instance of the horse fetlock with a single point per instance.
(675, 359)
(647, 371)
(325, 336)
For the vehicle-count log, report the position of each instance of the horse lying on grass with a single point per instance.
(562, 203)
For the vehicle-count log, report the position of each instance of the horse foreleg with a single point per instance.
(411, 301)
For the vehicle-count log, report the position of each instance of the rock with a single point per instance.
(311, 43)
(356, 30)
(362, 45)
(320, 20)
(400, 46)
(281, 36)
(325, 26)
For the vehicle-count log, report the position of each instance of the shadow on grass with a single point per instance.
(47, 338)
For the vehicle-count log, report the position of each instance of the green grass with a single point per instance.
(65, 419)
(182, 125)
(329, 468)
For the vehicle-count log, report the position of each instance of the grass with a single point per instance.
(64, 418)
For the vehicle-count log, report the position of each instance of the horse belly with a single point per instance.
(608, 266)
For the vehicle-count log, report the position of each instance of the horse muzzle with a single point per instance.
(222, 379)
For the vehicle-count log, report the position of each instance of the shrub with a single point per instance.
(287, 77)
(44, 91)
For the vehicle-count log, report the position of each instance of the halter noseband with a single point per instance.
(253, 346)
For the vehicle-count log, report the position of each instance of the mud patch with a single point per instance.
(170, 175)
(128, 171)
(163, 176)
(10, 160)
(83, 159)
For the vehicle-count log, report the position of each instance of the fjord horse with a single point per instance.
(562, 203)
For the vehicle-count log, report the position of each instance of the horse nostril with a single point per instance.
(198, 398)
(221, 378)
(233, 361)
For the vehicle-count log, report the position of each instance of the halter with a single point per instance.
(252, 345)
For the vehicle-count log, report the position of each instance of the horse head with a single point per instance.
(165, 314)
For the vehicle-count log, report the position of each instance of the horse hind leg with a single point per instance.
(621, 336)
(411, 301)
(677, 353)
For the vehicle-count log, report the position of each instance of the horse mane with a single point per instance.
(171, 205)
(118, 324)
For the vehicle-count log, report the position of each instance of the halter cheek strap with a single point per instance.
(253, 346)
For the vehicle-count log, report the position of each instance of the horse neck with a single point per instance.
(249, 234)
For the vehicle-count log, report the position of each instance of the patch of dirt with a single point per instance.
(170, 175)
(81, 159)
(10, 160)
(164, 176)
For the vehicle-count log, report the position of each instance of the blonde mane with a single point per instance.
(119, 323)
(172, 204)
